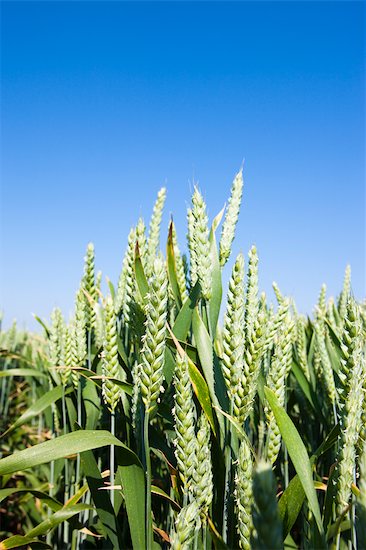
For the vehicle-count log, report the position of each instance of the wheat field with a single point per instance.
(167, 413)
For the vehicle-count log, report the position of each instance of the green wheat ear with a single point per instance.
(141, 240)
(154, 231)
(350, 342)
(276, 379)
(187, 524)
(244, 495)
(126, 283)
(80, 325)
(301, 346)
(351, 413)
(88, 284)
(233, 334)
(278, 293)
(193, 269)
(202, 475)
(99, 325)
(254, 320)
(56, 339)
(153, 348)
(325, 364)
(231, 218)
(322, 304)
(199, 241)
(344, 296)
(185, 421)
(71, 355)
(110, 391)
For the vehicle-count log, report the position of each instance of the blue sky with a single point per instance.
(105, 102)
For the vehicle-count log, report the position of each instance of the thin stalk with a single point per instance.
(195, 540)
(207, 309)
(227, 477)
(149, 538)
(67, 479)
(7, 402)
(111, 460)
(286, 476)
(335, 413)
(79, 422)
(2, 393)
(204, 536)
(52, 475)
(338, 541)
(76, 538)
(89, 349)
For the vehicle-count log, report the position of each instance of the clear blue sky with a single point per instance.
(103, 103)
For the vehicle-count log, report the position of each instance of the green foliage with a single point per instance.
(249, 435)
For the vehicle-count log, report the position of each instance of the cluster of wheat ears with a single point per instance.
(143, 422)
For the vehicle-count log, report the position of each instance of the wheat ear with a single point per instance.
(88, 284)
(233, 334)
(111, 369)
(154, 231)
(185, 420)
(187, 524)
(153, 349)
(244, 495)
(201, 244)
(231, 218)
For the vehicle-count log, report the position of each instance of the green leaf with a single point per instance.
(172, 269)
(205, 352)
(50, 523)
(169, 365)
(101, 501)
(18, 540)
(157, 491)
(336, 340)
(298, 454)
(141, 280)
(184, 318)
(292, 498)
(121, 351)
(199, 384)
(44, 497)
(290, 504)
(59, 447)
(112, 290)
(132, 477)
(125, 386)
(43, 325)
(39, 406)
(22, 372)
(211, 369)
(303, 383)
(289, 543)
(91, 402)
(202, 392)
(215, 301)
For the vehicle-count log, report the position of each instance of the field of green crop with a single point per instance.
(151, 420)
